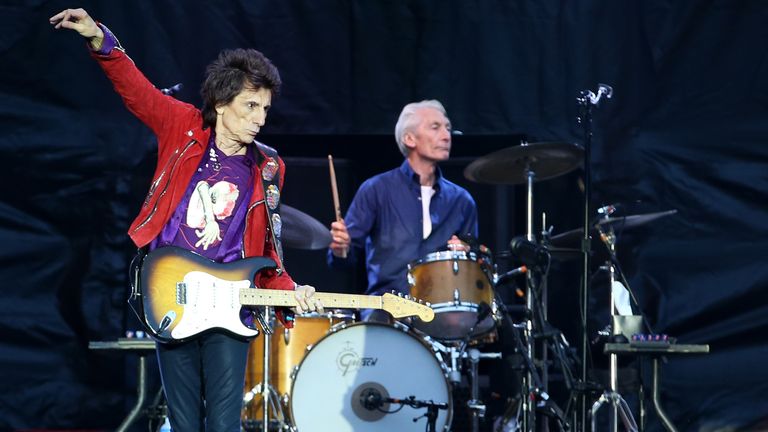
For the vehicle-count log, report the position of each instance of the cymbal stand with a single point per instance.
(618, 406)
(532, 390)
(530, 387)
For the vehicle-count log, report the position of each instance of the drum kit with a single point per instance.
(332, 373)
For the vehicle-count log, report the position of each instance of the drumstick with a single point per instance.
(335, 193)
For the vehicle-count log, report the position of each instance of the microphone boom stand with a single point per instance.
(586, 101)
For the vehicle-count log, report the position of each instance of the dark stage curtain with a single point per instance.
(686, 130)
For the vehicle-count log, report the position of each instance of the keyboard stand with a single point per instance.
(142, 347)
(655, 352)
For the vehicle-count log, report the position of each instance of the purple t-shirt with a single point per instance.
(226, 189)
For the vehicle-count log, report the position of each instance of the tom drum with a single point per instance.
(455, 283)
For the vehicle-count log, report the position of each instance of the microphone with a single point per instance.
(170, 91)
(594, 98)
(371, 399)
(514, 272)
(530, 253)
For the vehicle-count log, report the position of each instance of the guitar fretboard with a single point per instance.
(270, 297)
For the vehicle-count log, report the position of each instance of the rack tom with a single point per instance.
(456, 283)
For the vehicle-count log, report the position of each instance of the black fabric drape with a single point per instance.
(686, 130)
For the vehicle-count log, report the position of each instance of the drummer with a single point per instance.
(408, 212)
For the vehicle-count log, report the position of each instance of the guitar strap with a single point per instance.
(135, 300)
(270, 180)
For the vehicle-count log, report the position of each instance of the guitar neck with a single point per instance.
(285, 298)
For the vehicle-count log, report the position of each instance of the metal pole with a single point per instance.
(586, 121)
(614, 366)
(265, 394)
(141, 395)
(529, 400)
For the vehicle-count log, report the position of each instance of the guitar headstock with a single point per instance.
(400, 307)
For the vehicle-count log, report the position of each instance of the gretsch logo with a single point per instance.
(349, 360)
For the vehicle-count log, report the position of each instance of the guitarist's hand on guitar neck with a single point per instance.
(306, 300)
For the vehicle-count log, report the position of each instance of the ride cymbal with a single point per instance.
(302, 231)
(512, 164)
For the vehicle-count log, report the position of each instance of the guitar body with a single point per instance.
(184, 294)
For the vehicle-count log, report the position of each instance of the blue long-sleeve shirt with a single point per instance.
(385, 222)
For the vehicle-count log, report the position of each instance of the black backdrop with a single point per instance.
(686, 129)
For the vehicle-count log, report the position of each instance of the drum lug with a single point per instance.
(456, 296)
(294, 371)
(287, 336)
(411, 280)
(455, 267)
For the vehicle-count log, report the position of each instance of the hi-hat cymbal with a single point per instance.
(302, 231)
(573, 237)
(512, 164)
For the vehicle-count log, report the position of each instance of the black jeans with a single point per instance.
(203, 380)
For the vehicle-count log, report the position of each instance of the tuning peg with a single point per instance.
(428, 304)
(400, 295)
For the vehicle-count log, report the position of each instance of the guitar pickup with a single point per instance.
(181, 293)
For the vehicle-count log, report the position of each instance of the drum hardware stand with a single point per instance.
(474, 404)
(553, 339)
(432, 409)
(618, 406)
(532, 389)
(269, 396)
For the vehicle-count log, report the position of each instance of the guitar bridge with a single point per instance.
(181, 293)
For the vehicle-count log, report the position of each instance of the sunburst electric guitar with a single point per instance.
(183, 294)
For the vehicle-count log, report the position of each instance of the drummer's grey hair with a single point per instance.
(408, 120)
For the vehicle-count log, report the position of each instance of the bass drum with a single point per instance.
(333, 385)
(287, 348)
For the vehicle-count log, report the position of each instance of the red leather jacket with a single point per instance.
(181, 146)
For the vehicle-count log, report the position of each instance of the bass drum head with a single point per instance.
(337, 378)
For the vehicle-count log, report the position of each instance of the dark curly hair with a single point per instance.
(229, 74)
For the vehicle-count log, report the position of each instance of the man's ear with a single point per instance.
(409, 140)
(219, 109)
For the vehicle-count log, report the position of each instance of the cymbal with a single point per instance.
(573, 237)
(302, 231)
(557, 253)
(511, 165)
(632, 221)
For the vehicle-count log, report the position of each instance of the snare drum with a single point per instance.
(456, 283)
(287, 348)
(338, 379)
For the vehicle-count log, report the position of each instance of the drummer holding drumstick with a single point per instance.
(408, 212)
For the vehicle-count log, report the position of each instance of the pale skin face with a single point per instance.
(238, 122)
(430, 141)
